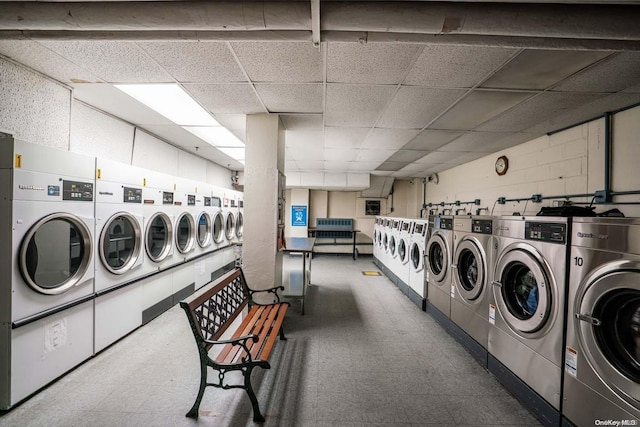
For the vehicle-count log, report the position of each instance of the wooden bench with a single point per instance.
(211, 310)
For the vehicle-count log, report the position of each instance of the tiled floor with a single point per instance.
(363, 355)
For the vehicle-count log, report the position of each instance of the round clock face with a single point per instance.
(502, 164)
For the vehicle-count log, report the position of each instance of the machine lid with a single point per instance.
(203, 231)
(522, 290)
(229, 227)
(120, 243)
(438, 256)
(55, 253)
(471, 270)
(185, 233)
(159, 237)
(608, 325)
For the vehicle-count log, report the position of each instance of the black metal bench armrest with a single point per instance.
(241, 341)
(273, 291)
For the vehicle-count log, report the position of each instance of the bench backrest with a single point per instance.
(214, 307)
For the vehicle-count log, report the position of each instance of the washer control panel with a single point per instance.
(551, 232)
(446, 223)
(482, 226)
(132, 195)
(77, 191)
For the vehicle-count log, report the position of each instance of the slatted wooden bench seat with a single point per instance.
(211, 311)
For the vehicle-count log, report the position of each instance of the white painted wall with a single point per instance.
(40, 110)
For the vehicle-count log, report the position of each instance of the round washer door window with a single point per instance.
(229, 226)
(471, 270)
(612, 341)
(55, 253)
(159, 237)
(385, 242)
(402, 250)
(524, 296)
(218, 227)
(239, 225)
(416, 257)
(392, 246)
(120, 243)
(185, 233)
(438, 256)
(204, 230)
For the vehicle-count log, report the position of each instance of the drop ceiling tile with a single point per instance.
(536, 110)
(232, 121)
(477, 108)
(337, 166)
(310, 165)
(291, 98)
(456, 66)
(366, 155)
(381, 138)
(462, 158)
(341, 154)
(588, 111)
(300, 153)
(407, 156)
(235, 98)
(38, 57)
(391, 166)
(371, 63)
(540, 69)
(344, 137)
(511, 140)
(414, 107)
(412, 168)
(355, 106)
(613, 74)
(437, 157)
(112, 61)
(302, 121)
(113, 101)
(194, 61)
(382, 173)
(178, 136)
(287, 62)
(359, 166)
(300, 138)
(431, 139)
(474, 141)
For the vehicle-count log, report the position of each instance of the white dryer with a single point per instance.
(159, 217)
(528, 310)
(240, 218)
(119, 249)
(439, 283)
(204, 221)
(417, 270)
(47, 267)
(472, 270)
(377, 226)
(228, 211)
(217, 219)
(401, 264)
(185, 223)
(602, 354)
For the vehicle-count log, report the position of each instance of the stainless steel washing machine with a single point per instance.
(602, 354)
(472, 271)
(438, 254)
(527, 312)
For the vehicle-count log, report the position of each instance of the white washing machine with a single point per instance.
(239, 216)
(528, 310)
(439, 253)
(119, 249)
(184, 227)
(47, 267)
(204, 221)
(228, 211)
(377, 226)
(393, 262)
(401, 263)
(159, 217)
(472, 270)
(417, 268)
(602, 354)
(217, 219)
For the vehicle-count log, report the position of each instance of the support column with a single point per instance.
(264, 162)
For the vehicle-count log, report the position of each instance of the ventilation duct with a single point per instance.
(380, 186)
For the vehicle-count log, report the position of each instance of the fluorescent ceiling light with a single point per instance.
(233, 152)
(171, 101)
(216, 136)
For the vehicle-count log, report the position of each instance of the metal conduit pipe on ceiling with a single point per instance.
(558, 21)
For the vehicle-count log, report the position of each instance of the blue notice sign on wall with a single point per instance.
(298, 216)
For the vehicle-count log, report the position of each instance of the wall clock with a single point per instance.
(502, 165)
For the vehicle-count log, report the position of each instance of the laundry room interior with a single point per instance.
(439, 202)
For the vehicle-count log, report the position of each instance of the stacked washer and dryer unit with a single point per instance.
(46, 291)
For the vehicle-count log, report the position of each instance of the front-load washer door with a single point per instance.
(229, 226)
(218, 227)
(239, 225)
(121, 243)
(203, 230)
(608, 324)
(385, 242)
(185, 233)
(393, 247)
(417, 257)
(159, 237)
(523, 290)
(403, 251)
(55, 253)
(470, 270)
(438, 257)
